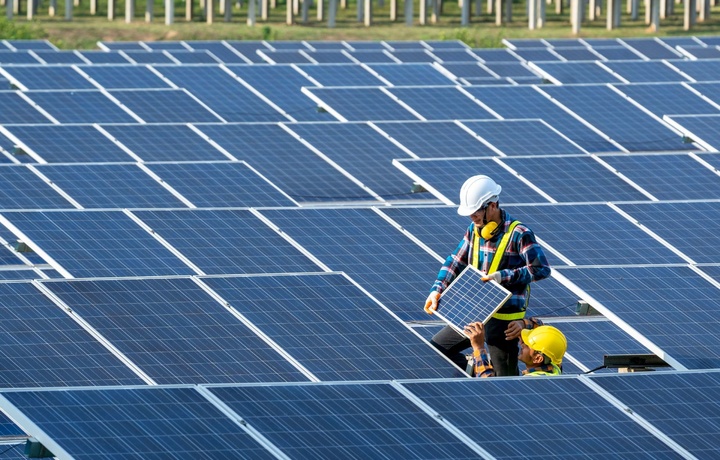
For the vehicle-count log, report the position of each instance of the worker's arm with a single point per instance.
(481, 361)
(515, 327)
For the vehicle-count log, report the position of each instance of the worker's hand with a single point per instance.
(514, 329)
(431, 303)
(495, 276)
(476, 333)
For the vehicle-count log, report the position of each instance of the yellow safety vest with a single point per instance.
(555, 371)
(499, 253)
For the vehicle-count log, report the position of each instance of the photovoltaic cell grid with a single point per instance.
(80, 106)
(580, 422)
(332, 328)
(412, 74)
(20, 188)
(575, 72)
(361, 104)
(341, 75)
(441, 103)
(668, 99)
(49, 77)
(469, 299)
(18, 110)
(342, 421)
(136, 422)
(442, 139)
(645, 71)
(174, 331)
(124, 77)
(705, 129)
(538, 137)
(165, 106)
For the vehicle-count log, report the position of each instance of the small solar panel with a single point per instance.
(651, 48)
(700, 70)
(59, 57)
(148, 57)
(49, 77)
(361, 104)
(174, 331)
(306, 313)
(341, 75)
(435, 139)
(495, 55)
(575, 72)
(219, 50)
(186, 56)
(372, 56)
(411, 74)
(440, 103)
(538, 138)
(617, 53)
(469, 299)
(645, 71)
(511, 69)
(709, 90)
(342, 421)
(90, 424)
(703, 129)
(165, 106)
(20, 188)
(104, 57)
(575, 54)
(125, 77)
(248, 49)
(18, 110)
(668, 99)
(17, 57)
(80, 106)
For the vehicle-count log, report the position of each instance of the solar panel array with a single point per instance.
(222, 249)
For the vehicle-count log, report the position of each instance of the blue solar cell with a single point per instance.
(147, 57)
(701, 70)
(495, 55)
(80, 107)
(651, 48)
(466, 69)
(668, 99)
(444, 44)
(60, 57)
(125, 76)
(668, 177)
(699, 52)
(121, 45)
(455, 55)
(67, 144)
(365, 45)
(361, 104)
(709, 90)
(219, 50)
(678, 41)
(666, 218)
(165, 45)
(704, 129)
(440, 228)
(14, 109)
(165, 106)
(329, 57)
(226, 96)
(617, 53)
(645, 71)
(222, 242)
(110, 186)
(17, 57)
(563, 42)
(435, 139)
(165, 142)
(568, 230)
(526, 102)
(576, 54)
(320, 45)
(594, 42)
(391, 266)
(19, 275)
(99, 424)
(590, 338)
(341, 75)
(667, 305)
(286, 162)
(220, 184)
(537, 54)
(617, 117)
(20, 188)
(441, 103)
(519, 43)
(373, 56)
(287, 45)
(537, 138)
(43, 346)
(405, 45)
(580, 422)
(342, 421)
(576, 72)
(409, 56)
(288, 96)
(684, 406)
(360, 150)
(411, 74)
(511, 69)
(22, 44)
(574, 179)
(175, 332)
(710, 41)
(713, 271)
(446, 176)
(49, 77)
(98, 244)
(104, 57)
(248, 49)
(307, 313)
(284, 56)
(8, 428)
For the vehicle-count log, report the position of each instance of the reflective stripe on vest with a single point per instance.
(499, 253)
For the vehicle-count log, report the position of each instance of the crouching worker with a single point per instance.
(541, 349)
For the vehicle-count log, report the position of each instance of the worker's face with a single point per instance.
(529, 356)
(478, 217)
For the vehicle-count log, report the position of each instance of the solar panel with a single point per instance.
(668, 177)
(574, 178)
(318, 45)
(441, 103)
(617, 53)
(361, 104)
(21, 188)
(525, 102)
(575, 53)
(467, 69)
(332, 328)
(134, 422)
(193, 57)
(165, 45)
(435, 139)
(226, 96)
(80, 106)
(709, 90)
(99, 243)
(699, 52)
(147, 57)
(174, 331)
(537, 138)
(125, 77)
(329, 57)
(248, 49)
(511, 69)
(683, 406)
(359, 150)
(568, 229)
(372, 56)
(668, 99)
(521, 43)
(411, 74)
(122, 45)
(23, 44)
(342, 421)
(701, 70)
(286, 162)
(284, 56)
(704, 129)
(390, 266)
(48, 77)
(9, 429)
(153, 142)
(365, 45)
(225, 241)
(103, 57)
(27, 274)
(667, 305)
(580, 422)
(651, 48)
(220, 184)
(452, 55)
(43, 346)
(617, 117)
(575, 72)
(17, 57)
(495, 55)
(165, 106)
(645, 71)
(220, 50)
(341, 75)
(537, 54)
(15, 109)
(666, 218)
(65, 144)
(59, 57)
(413, 56)
(469, 299)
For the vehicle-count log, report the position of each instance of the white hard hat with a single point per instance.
(476, 193)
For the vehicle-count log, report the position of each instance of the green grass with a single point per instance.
(85, 30)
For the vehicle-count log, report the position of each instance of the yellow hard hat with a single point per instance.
(548, 340)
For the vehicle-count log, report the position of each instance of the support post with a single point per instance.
(575, 15)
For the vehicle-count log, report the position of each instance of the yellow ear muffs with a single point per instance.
(489, 230)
